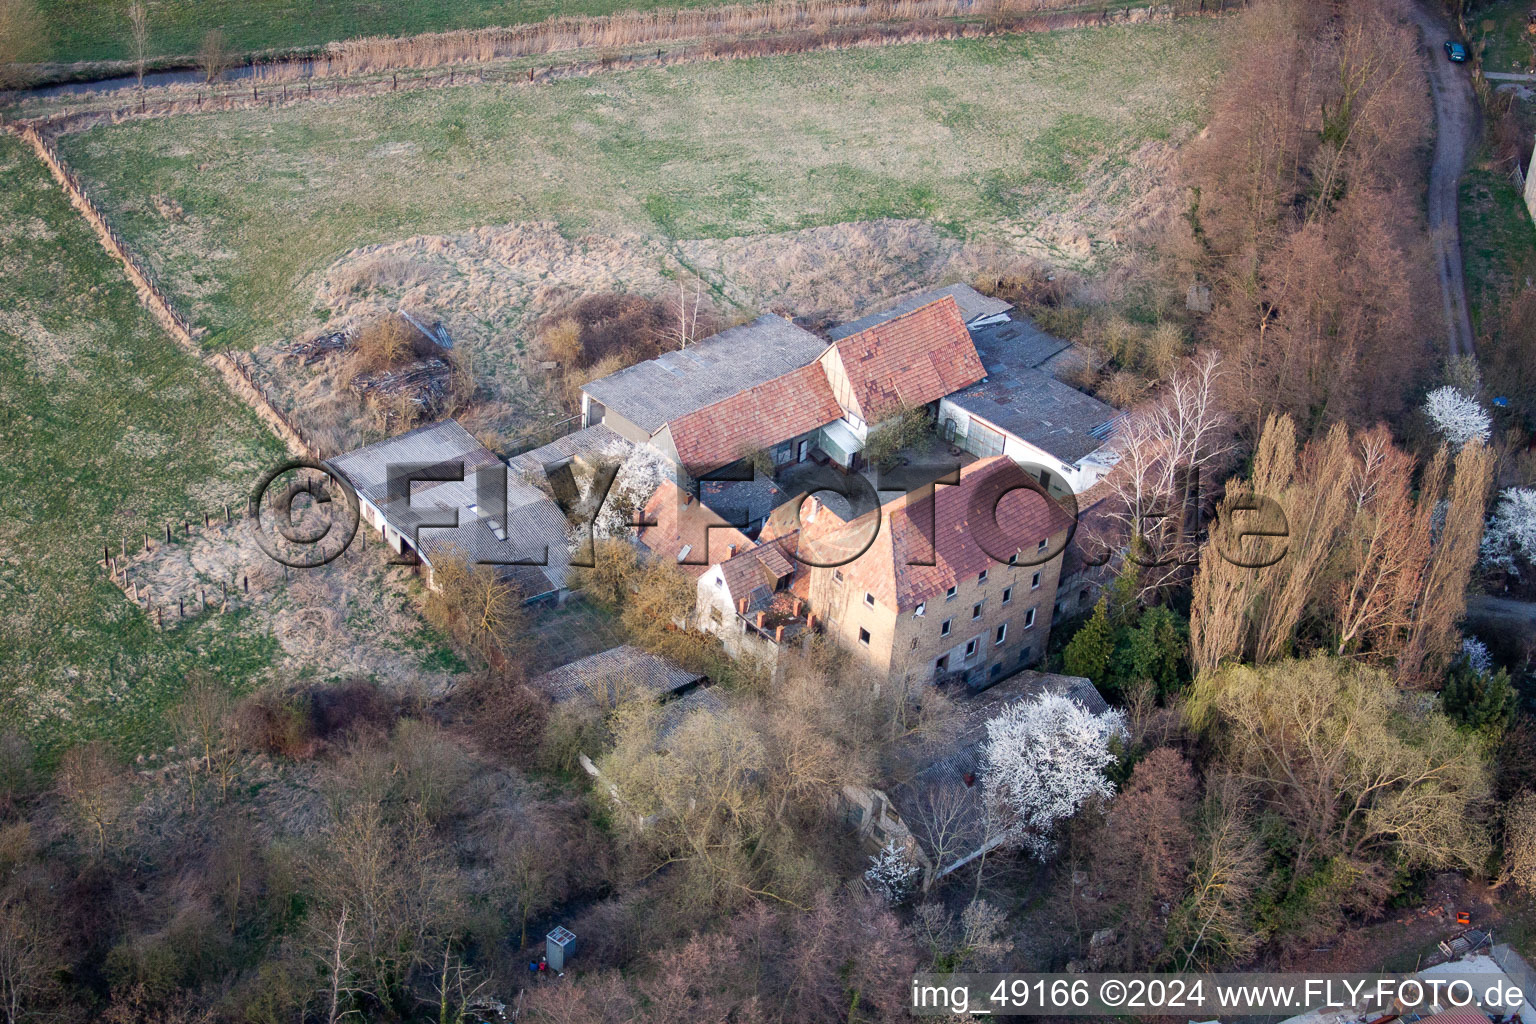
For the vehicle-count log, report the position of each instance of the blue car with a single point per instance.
(1455, 51)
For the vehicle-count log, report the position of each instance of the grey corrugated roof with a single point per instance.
(973, 306)
(593, 441)
(657, 391)
(1028, 402)
(617, 674)
(1036, 407)
(445, 442)
(530, 522)
(1016, 342)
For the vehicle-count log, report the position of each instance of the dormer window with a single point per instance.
(951, 592)
(981, 577)
(1043, 542)
(922, 606)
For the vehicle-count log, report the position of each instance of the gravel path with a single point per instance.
(1455, 135)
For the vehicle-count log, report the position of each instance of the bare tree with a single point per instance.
(138, 35)
(95, 791)
(28, 959)
(478, 609)
(213, 55)
(1167, 450)
(335, 958)
(203, 723)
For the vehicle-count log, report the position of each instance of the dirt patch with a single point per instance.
(352, 616)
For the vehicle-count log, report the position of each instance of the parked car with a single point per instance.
(1455, 51)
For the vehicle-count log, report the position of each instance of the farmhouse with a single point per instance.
(955, 583)
(932, 804)
(771, 393)
(462, 504)
(773, 389)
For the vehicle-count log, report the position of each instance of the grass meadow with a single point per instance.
(108, 430)
(241, 212)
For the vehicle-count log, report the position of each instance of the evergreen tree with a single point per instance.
(1153, 650)
(1089, 651)
(1481, 701)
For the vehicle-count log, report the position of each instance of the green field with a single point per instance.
(1499, 27)
(108, 430)
(989, 138)
(90, 30)
(1498, 240)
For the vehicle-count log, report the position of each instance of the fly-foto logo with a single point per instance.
(305, 514)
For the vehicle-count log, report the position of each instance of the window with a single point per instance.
(1013, 559)
(869, 599)
(1029, 618)
(1043, 541)
(1034, 582)
(944, 627)
(976, 611)
(922, 606)
(1002, 634)
(864, 636)
(970, 648)
(995, 671)
(942, 664)
(837, 575)
(1007, 594)
(1024, 656)
(950, 593)
(981, 577)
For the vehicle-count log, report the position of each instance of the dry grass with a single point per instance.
(353, 616)
(817, 183)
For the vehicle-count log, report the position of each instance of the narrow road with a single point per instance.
(1455, 135)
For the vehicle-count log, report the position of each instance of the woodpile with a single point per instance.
(424, 383)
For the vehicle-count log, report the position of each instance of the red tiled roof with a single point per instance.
(763, 565)
(953, 527)
(759, 417)
(693, 526)
(909, 360)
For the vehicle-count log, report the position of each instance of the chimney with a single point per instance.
(778, 634)
(970, 779)
(731, 551)
(798, 603)
(687, 499)
(811, 505)
(742, 606)
(810, 622)
(760, 616)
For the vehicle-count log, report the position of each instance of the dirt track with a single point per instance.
(1455, 135)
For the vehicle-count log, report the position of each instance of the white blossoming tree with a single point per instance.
(1457, 416)
(892, 875)
(1044, 758)
(1476, 653)
(1509, 540)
